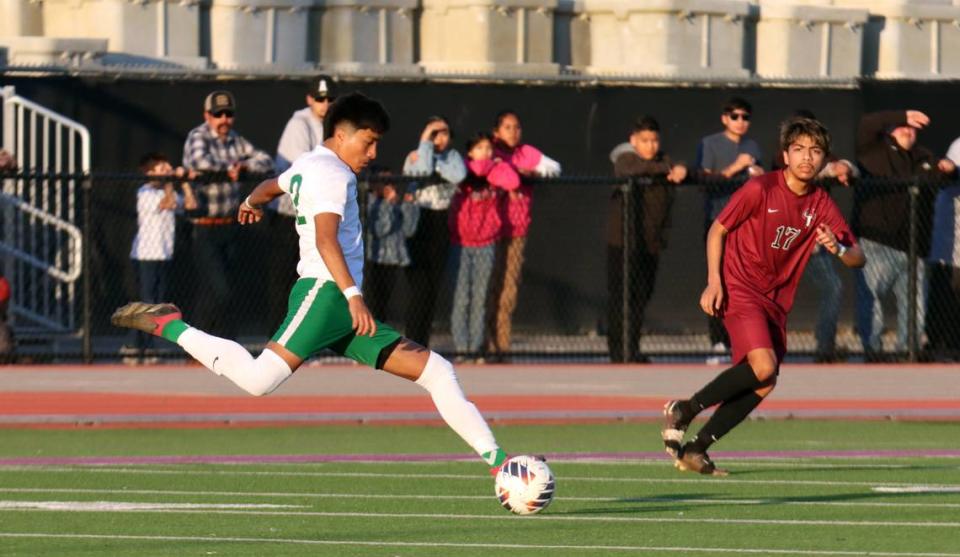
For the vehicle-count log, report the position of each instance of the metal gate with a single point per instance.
(40, 242)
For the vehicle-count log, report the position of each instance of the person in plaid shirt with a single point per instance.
(215, 147)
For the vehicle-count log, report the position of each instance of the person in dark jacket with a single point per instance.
(887, 148)
(649, 211)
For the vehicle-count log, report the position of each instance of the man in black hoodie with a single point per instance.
(887, 148)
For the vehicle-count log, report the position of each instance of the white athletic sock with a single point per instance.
(258, 376)
(440, 380)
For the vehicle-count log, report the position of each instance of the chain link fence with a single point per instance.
(609, 270)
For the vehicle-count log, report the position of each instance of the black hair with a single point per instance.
(149, 160)
(737, 103)
(358, 110)
(804, 113)
(477, 138)
(797, 127)
(503, 114)
(646, 123)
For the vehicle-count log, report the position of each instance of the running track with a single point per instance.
(121, 396)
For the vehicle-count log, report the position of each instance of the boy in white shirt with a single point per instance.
(152, 249)
(326, 308)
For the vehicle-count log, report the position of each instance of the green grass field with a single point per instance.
(810, 505)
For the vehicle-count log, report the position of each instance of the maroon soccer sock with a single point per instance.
(725, 386)
(727, 417)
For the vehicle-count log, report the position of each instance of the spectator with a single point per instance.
(302, 133)
(390, 221)
(943, 303)
(474, 229)
(152, 249)
(821, 267)
(215, 147)
(7, 162)
(440, 168)
(528, 161)
(649, 211)
(7, 342)
(887, 148)
(729, 155)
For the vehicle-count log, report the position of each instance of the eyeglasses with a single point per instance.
(322, 99)
(222, 114)
(745, 116)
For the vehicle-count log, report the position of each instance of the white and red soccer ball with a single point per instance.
(525, 484)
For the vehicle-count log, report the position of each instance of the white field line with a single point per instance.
(546, 518)
(917, 489)
(414, 497)
(535, 547)
(472, 477)
(116, 506)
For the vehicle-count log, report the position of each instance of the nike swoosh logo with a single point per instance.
(214, 364)
(773, 210)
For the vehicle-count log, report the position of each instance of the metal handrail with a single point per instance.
(75, 267)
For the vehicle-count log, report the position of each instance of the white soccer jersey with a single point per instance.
(319, 182)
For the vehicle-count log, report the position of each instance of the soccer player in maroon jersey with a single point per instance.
(757, 249)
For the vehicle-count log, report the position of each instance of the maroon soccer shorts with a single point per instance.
(754, 322)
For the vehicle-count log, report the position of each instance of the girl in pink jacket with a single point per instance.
(475, 225)
(526, 160)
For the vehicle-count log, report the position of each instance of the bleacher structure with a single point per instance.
(41, 243)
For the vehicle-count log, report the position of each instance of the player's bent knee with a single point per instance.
(764, 368)
(269, 371)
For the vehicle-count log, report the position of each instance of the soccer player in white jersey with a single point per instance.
(326, 309)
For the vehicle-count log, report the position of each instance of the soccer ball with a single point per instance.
(525, 484)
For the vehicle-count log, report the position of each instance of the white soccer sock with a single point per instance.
(440, 380)
(258, 376)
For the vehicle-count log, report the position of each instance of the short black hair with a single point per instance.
(737, 103)
(503, 114)
(477, 138)
(646, 124)
(798, 126)
(804, 113)
(360, 111)
(149, 160)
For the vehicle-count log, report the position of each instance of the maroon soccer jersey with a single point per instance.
(772, 232)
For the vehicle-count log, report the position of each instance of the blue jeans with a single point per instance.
(152, 277)
(886, 269)
(475, 264)
(827, 281)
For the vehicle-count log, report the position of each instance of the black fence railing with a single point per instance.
(610, 269)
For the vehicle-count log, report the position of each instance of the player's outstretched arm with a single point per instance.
(251, 210)
(327, 225)
(712, 298)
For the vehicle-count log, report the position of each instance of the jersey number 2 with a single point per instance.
(787, 234)
(295, 183)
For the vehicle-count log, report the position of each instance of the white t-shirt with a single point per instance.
(155, 227)
(319, 182)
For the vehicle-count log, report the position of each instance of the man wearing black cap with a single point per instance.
(303, 132)
(215, 147)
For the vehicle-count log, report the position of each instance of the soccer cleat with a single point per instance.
(674, 426)
(697, 462)
(149, 318)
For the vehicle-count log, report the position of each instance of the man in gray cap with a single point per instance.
(215, 147)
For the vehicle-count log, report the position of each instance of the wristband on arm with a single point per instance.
(841, 249)
(351, 291)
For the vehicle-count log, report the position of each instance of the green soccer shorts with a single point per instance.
(318, 317)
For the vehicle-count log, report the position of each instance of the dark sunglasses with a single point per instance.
(739, 115)
(222, 113)
(321, 98)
